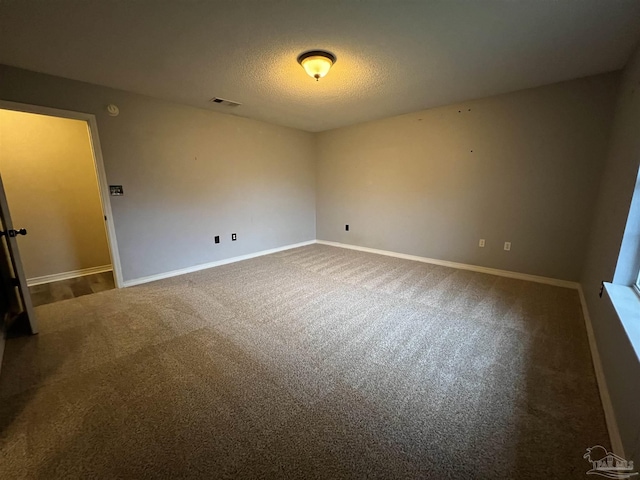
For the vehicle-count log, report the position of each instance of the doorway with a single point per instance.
(53, 174)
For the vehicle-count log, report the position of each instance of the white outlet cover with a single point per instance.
(507, 246)
(481, 242)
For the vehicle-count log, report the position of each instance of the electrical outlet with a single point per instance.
(481, 242)
(507, 246)
(346, 227)
(234, 237)
(216, 239)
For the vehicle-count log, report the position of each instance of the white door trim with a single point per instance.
(103, 187)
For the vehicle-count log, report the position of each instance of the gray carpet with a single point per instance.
(316, 362)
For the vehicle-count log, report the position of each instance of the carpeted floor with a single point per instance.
(316, 362)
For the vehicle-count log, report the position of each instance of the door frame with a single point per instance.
(103, 186)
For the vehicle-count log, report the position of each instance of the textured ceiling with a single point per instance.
(393, 56)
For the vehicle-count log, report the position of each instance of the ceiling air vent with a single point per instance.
(226, 103)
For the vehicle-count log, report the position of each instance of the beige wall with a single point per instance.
(48, 173)
(522, 167)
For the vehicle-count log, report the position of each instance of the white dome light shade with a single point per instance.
(316, 63)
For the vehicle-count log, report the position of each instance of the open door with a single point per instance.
(16, 302)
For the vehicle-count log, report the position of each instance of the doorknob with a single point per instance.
(14, 233)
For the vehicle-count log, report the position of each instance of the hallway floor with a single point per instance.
(71, 288)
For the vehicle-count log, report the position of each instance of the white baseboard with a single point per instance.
(56, 277)
(204, 266)
(462, 266)
(607, 406)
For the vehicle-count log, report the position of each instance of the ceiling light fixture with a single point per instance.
(316, 63)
